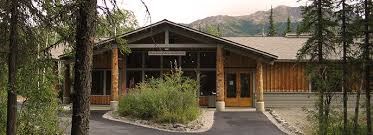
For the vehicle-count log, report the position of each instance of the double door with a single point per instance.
(238, 88)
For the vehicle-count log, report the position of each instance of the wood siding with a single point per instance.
(100, 100)
(285, 77)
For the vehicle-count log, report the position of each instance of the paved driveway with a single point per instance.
(226, 123)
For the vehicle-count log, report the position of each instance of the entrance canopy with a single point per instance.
(166, 34)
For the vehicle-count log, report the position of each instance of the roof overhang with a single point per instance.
(209, 39)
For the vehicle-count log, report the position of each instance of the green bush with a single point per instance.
(169, 99)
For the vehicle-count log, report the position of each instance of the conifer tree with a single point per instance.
(272, 28)
(317, 20)
(288, 26)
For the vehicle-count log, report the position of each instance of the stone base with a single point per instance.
(220, 106)
(113, 105)
(260, 106)
(66, 100)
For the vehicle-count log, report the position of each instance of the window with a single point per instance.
(152, 74)
(189, 60)
(134, 60)
(207, 83)
(152, 61)
(97, 83)
(133, 77)
(208, 59)
(169, 61)
(101, 82)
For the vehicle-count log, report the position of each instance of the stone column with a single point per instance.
(124, 81)
(114, 79)
(67, 84)
(220, 104)
(259, 87)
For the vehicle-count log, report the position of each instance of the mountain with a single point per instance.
(253, 24)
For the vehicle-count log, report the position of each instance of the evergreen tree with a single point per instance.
(288, 26)
(317, 19)
(272, 28)
(367, 61)
(345, 15)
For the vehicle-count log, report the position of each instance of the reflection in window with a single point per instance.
(207, 83)
(231, 85)
(133, 77)
(169, 61)
(189, 60)
(245, 84)
(152, 74)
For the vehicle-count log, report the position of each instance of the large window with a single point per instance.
(202, 62)
(133, 77)
(208, 59)
(207, 83)
(101, 82)
(152, 61)
(170, 61)
(190, 60)
(134, 60)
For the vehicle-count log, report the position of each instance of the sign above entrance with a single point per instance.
(166, 53)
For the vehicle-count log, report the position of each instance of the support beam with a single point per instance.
(166, 37)
(259, 87)
(220, 104)
(114, 79)
(67, 84)
(123, 76)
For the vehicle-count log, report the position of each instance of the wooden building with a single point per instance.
(240, 71)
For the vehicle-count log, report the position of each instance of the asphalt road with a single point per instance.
(226, 123)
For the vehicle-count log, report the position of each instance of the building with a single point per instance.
(241, 71)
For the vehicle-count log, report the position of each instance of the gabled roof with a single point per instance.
(225, 42)
(286, 48)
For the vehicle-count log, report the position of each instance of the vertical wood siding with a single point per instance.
(100, 100)
(285, 77)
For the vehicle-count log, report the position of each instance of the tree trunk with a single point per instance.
(86, 23)
(357, 106)
(344, 88)
(12, 69)
(366, 66)
(319, 30)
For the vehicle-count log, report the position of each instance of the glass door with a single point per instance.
(238, 89)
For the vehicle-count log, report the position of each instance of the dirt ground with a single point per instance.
(296, 118)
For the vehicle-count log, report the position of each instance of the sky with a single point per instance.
(187, 11)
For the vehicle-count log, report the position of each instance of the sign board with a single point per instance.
(166, 53)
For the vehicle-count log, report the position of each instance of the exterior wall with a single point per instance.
(273, 100)
(285, 77)
(233, 60)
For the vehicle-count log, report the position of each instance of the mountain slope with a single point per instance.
(253, 24)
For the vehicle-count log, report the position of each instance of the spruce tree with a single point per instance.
(317, 20)
(345, 15)
(272, 28)
(288, 26)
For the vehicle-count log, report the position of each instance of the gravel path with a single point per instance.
(226, 123)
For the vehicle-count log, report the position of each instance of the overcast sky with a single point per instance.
(186, 11)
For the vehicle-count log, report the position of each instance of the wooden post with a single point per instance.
(114, 79)
(67, 84)
(259, 87)
(124, 81)
(220, 104)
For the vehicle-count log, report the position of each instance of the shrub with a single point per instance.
(169, 99)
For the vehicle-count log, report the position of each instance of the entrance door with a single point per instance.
(238, 90)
